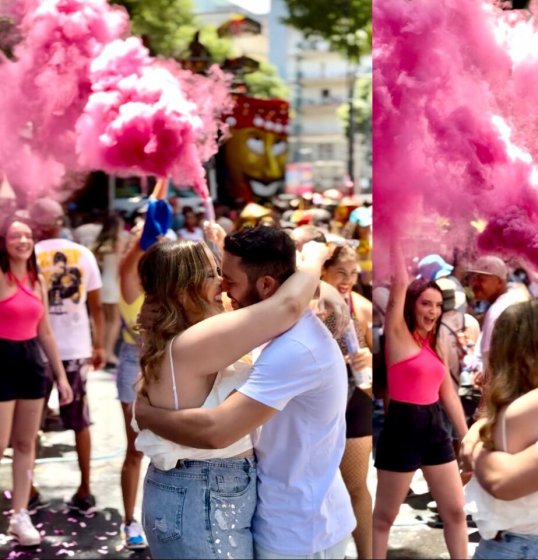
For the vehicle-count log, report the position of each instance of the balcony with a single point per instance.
(315, 103)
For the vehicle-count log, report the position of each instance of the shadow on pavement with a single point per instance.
(68, 535)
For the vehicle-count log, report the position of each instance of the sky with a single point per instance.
(254, 6)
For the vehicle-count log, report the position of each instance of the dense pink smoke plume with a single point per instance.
(77, 98)
(455, 123)
(142, 118)
(43, 92)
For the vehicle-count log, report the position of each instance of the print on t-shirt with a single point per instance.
(64, 277)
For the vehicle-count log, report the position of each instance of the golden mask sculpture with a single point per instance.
(253, 159)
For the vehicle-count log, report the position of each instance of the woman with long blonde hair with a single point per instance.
(509, 528)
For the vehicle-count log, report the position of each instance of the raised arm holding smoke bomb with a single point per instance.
(131, 300)
(413, 434)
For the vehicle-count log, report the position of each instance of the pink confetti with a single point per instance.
(100, 538)
(7, 495)
(72, 520)
(82, 524)
(65, 552)
(111, 533)
(39, 525)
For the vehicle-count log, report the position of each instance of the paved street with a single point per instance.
(68, 535)
(57, 474)
(414, 534)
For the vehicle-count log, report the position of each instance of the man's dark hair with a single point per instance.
(264, 251)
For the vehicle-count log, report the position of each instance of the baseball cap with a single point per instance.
(361, 216)
(46, 212)
(433, 267)
(489, 264)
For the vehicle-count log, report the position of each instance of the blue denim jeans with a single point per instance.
(128, 370)
(203, 509)
(510, 546)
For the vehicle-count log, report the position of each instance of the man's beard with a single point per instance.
(250, 298)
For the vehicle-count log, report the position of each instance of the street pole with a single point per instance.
(298, 102)
(351, 125)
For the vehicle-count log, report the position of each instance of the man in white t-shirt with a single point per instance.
(298, 391)
(490, 283)
(73, 280)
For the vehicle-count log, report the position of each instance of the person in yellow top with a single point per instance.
(130, 303)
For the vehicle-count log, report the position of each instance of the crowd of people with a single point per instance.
(282, 403)
(165, 286)
(458, 330)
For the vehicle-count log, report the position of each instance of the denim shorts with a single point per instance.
(509, 546)
(128, 370)
(203, 509)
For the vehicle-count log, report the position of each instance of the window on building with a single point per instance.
(326, 151)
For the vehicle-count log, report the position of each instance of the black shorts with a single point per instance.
(359, 415)
(22, 370)
(413, 436)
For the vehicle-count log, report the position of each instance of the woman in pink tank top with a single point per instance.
(413, 434)
(24, 327)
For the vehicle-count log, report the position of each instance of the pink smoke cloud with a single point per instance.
(44, 91)
(449, 78)
(77, 98)
(145, 116)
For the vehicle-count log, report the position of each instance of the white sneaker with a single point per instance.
(133, 536)
(21, 527)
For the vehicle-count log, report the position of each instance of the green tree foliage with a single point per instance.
(266, 83)
(345, 24)
(161, 22)
(169, 26)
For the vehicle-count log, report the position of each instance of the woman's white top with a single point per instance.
(492, 515)
(163, 453)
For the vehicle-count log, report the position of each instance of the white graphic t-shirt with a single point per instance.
(71, 272)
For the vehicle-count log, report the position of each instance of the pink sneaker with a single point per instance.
(21, 527)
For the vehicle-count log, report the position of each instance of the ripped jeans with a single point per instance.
(203, 509)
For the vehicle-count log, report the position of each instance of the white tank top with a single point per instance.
(492, 515)
(163, 453)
